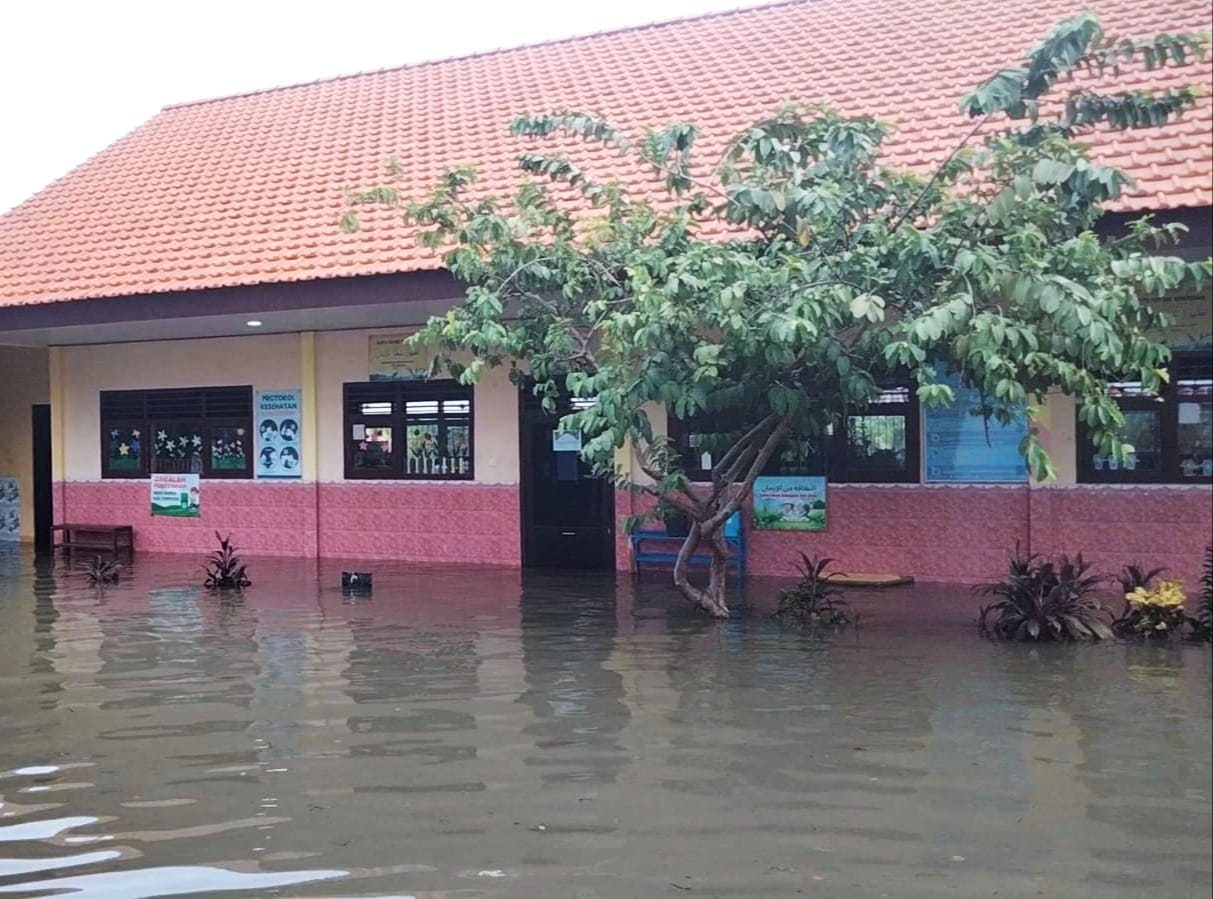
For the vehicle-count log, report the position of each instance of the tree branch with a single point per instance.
(939, 171)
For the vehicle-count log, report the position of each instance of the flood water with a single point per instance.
(488, 733)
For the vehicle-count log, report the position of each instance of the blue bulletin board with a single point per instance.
(956, 446)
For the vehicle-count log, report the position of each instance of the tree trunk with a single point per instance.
(708, 524)
(711, 599)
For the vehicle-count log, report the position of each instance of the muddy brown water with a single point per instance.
(465, 733)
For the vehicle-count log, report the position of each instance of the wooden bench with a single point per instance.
(111, 538)
(654, 546)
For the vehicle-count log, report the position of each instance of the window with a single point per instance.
(879, 445)
(408, 430)
(1171, 432)
(205, 431)
(701, 441)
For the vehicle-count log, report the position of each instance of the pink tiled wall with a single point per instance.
(1115, 526)
(422, 522)
(273, 519)
(475, 523)
(947, 533)
(964, 533)
(957, 533)
(952, 533)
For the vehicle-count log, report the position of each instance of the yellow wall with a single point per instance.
(24, 381)
(267, 362)
(343, 357)
(1056, 419)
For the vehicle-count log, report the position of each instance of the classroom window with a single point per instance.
(205, 431)
(408, 430)
(1171, 432)
(879, 445)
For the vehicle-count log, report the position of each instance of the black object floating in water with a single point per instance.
(356, 581)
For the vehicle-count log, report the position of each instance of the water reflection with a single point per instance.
(482, 733)
(568, 637)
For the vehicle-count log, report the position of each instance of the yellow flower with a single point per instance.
(1167, 595)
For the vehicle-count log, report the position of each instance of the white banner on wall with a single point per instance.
(176, 495)
(10, 510)
(391, 360)
(277, 420)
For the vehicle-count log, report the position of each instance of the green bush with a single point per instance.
(99, 571)
(1041, 599)
(814, 601)
(1202, 624)
(224, 570)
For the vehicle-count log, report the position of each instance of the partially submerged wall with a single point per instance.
(24, 382)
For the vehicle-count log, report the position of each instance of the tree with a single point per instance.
(777, 288)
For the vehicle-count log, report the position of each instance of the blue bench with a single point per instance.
(650, 545)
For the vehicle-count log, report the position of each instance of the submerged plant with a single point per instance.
(99, 571)
(1132, 577)
(1152, 613)
(1042, 599)
(814, 601)
(1202, 624)
(224, 570)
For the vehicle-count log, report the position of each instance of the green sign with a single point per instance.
(790, 504)
(176, 495)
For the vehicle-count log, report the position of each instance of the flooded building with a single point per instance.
(185, 305)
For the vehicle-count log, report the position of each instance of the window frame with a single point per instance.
(678, 430)
(137, 411)
(399, 394)
(1167, 403)
(834, 469)
(908, 410)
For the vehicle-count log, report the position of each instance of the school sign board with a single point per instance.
(279, 454)
(391, 360)
(790, 504)
(176, 495)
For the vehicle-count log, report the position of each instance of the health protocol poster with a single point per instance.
(277, 423)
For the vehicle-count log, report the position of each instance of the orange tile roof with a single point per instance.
(248, 189)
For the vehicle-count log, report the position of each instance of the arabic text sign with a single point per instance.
(790, 504)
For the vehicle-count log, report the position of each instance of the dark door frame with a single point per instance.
(43, 495)
(526, 404)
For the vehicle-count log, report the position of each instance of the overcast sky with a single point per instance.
(76, 76)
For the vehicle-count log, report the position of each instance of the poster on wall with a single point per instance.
(1191, 321)
(10, 510)
(279, 455)
(790, 504)
(960, 448)
(176, 495)
(391, 360)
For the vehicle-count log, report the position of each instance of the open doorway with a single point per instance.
(44, 504)
(568, 515)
